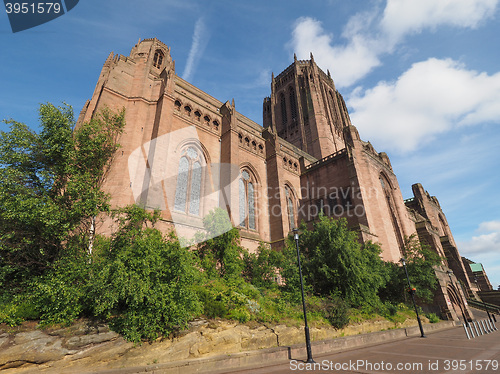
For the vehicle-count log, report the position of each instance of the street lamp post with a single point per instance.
(306, 328)
(449, 272)
(484, 304)
(412, 293)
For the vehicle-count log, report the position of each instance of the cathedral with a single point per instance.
(186, 153)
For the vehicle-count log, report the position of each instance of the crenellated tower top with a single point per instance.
(306, 109)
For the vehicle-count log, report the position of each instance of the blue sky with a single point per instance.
(421, 78)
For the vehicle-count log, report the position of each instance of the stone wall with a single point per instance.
(90, 346)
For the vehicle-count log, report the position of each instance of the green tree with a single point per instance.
(221, 253)
(61, 294)
(335, 263)
(421, 262)
(261, 268)
(50, 186)
(143, 283)
(139, 281)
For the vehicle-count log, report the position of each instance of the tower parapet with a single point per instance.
(306, 109)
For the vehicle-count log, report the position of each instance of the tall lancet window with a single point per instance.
(283, 109)
(247, 201)
(293, 104)
(290, 207)
(189, 182)
(387, 188)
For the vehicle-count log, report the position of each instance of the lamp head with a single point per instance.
(403, 261)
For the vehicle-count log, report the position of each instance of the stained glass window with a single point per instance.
(247, 201)
(291, 211)
(192, 153)
(182, 182)
(291, 214)
(189, 182)
(242, 203)
(194, 197)
(251, 207)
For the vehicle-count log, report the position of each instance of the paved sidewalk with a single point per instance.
(446, 351)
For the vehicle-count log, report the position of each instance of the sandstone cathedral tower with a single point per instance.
(186, 153)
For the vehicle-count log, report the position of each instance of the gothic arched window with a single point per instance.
(247, 201)
(387, 188)
(293, 104)
(283, 109)
(158, 59)
(290, 208)
(333, 111)
(189, 182)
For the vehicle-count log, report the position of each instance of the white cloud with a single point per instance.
(488, 227)
(430, 98)
(483, 246)
(482, 243)
(369, 35)
(406, 16)
(485, 249)
(261, 79)
(200, 40)
(348, 63)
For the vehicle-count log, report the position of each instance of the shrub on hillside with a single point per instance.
(139, 281)
(333, 261)
(262, 268)
(144, 284)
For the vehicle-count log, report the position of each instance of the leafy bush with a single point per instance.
(334, 261)
(212, 307)
(139, 281)
(333, 309)
(262, 268)
(233, 300)
(241, 315)
(433, 318)
(62, 294)
(9, 315)
(220, 255)
(56, 301)
(421, 261)
(389, 309)
(146, 285)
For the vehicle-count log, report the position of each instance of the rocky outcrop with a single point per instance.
(86, 346)
(24, 347)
